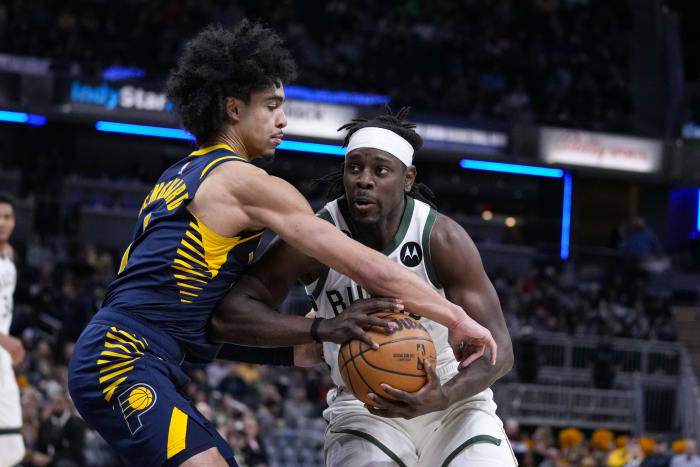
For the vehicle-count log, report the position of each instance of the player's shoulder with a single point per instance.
(447, 231)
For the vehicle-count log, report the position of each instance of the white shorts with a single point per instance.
(468, 433)
(11, 443)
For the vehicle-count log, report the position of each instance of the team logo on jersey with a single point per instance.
(182, 169)
(134, 402)
(411, 254)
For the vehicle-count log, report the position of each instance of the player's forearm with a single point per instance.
(417, 296)
(278, 356)
(241, 319)
(372, 270)
(479, 375)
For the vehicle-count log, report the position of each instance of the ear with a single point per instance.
(409, 178)
(234, 108)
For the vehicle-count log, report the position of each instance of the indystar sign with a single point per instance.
(125, 97)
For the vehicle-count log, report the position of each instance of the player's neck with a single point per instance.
(380, 234)
(232, 140)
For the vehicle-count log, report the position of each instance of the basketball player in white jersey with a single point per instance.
(452, 419)
(11, 350)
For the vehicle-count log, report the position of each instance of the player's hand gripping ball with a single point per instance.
(397, 362)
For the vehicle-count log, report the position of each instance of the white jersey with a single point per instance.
(8, 281)
(410, 247)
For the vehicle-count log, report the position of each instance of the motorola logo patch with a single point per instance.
(411, 254)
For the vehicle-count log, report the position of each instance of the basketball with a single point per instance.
(397, 362)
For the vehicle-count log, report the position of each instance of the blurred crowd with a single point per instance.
(599, 448)
(554, 62)
(598, 302)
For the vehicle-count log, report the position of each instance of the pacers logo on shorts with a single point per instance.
(134, 402)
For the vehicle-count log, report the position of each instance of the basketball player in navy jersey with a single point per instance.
(452, 419)
(195, 235)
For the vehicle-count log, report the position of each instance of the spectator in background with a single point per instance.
(688, 458)
(604, 364)
(254, 454)
(517, 442)
(61, 436)
(527, 356)
(643, 245)
(660, 457)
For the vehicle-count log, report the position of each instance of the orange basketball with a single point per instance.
(397, 362)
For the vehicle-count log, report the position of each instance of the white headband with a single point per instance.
(386, 140)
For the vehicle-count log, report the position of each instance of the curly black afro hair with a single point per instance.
(391, 122)
(218, 63)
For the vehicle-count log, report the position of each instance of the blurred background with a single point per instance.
(564, 135)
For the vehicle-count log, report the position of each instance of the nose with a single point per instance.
(282, 120)
(365, 180)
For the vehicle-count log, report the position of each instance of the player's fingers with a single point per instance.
(366, 321)
(457, 352)
(494, 350)
(360, 334)
(376, 304)
(430, 371)
(473, 356)
(396, 393)
(310, 314)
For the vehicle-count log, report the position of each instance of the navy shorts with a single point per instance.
(126, 382)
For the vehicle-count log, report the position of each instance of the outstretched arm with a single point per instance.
(459, 268)
(246, 315)
(274, 203)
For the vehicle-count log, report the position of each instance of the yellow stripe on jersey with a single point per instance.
(146, 220)
(111, 345)
(208, 149)
(188, 278)
(116, 365)
(194, 239)
(108, 353)
(125, 258)
(109, 390)
(191, 258)
(130, 337)
(203, 260)
(189, 246)
(188, 270)
(115, 374)
(177, 433)
(129, 349)
(209, 165)
(123, 341)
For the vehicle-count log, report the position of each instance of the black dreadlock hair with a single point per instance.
(218, 63)
(391, 122)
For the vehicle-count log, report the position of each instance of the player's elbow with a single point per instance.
(222, 326)
(217, 328)
(506, 358)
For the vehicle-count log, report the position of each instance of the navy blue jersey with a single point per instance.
(176, 269)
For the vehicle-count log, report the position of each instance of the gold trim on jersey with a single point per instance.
(215, 161)
(199, 258)
(208, 149)
(121, 350)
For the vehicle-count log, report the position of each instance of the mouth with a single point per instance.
(363, 203)
(277, 139)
